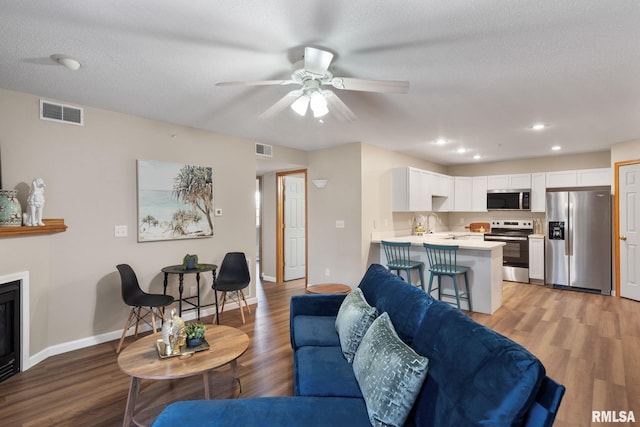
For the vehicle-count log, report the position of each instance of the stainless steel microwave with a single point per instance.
(509, 200)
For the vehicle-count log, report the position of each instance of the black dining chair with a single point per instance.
(142, 304)
(232, 278)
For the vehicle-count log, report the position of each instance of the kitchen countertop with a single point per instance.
(445, 238)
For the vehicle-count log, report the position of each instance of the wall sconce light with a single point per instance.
(320, 183)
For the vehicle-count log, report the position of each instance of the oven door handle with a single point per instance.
(503, 238)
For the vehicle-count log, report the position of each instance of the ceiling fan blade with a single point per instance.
(257, 83)
(283, 103)
(339, 108)
(384, 86)
(317, 61)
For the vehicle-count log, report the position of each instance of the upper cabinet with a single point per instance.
(410, 190)
(509, 182)
(579, 178)
(538, 192)
(417, 190)
(442, 190)
(470, 194)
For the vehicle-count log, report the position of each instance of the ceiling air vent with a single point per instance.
(264, 150)
(61, 113)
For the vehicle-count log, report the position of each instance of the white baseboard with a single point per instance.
(115, 335)
(268, 278)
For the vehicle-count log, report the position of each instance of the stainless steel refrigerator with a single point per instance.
(578, 243)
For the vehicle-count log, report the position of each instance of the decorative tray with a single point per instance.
(184, 350)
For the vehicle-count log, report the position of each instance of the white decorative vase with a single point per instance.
(10, 209)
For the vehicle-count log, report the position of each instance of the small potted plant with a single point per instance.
(194, 332)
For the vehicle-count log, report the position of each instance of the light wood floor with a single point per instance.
(589, 343)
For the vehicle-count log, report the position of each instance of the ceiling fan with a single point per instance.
(312, 73)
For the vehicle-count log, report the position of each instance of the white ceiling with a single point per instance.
(481, 72)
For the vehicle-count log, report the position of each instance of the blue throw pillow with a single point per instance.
(354, 318)
(390, 374)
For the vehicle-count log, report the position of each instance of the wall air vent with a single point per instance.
(264, 150)
(61, 113)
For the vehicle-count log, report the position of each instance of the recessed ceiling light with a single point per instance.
(476, 157)
(461, 150)
(538, 126)
(556, 148)
(441, 141)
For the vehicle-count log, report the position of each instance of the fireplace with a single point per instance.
(9, 329)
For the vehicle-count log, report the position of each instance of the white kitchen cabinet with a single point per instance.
(479, 194)
(594, 177)
(536, 258)
(509, 182)
(463, 194)
(470, 194)
(538, 192)
(410, 190)
(561, 179)
(442, 189)
(579, 178)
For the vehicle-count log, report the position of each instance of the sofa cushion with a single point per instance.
(389, 372)
(354, 318)
(315, 331)
(265, 411)
(323, 371)
(476, 376)
(405, 304)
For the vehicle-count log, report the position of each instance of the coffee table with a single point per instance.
(140, 360)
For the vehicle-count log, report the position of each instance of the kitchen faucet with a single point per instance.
(431, 229)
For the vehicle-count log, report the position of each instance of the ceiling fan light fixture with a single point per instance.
(301, 105)
(318, 105)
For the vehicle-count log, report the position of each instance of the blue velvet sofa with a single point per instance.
(475, 376)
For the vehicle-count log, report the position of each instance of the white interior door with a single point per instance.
(294, 227)
(629, 239)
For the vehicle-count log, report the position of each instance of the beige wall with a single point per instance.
(625, 152)
(334, 249)
(90, 172)
(601, 159)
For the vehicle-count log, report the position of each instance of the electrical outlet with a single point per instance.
(461, 220)
(217, 212)
(120, 231)
(339, 223)
(327, 272)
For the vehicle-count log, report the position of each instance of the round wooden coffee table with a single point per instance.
(329, 288)
(140, 360)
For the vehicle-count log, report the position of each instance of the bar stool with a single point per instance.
(399, 259)
(443, 261)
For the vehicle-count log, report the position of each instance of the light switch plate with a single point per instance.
(120, 231)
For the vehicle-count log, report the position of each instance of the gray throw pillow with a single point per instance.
(354, 318)
(389, 372)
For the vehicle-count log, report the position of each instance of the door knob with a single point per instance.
(623, 238)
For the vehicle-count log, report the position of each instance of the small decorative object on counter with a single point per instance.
(418, 225)
(189, 262)
(195, 333)
(10, 209)
(35, 203)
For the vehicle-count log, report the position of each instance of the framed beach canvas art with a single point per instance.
(175, 201)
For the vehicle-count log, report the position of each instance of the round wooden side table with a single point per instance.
(329, 288)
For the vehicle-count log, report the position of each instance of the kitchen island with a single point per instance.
(484, 260)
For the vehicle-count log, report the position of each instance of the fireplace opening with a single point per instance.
(9, 329)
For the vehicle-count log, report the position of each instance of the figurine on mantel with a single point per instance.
(35, 203)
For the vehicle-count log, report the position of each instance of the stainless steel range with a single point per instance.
(515, 254)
